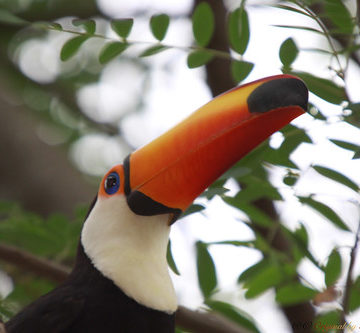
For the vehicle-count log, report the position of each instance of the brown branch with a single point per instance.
(194, 321)
(29, 262)
(349, 280)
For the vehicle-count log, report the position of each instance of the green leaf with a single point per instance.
(325, 89)
(159, 25)
(170, 259)
(238, 29)
(194, 208)
(354, 301)
(253, 271)
(233, 313)
(122, 27)
(293, 137)
(71, 47)
(345, 145)
(111, 50)
(205, 269)
(340, 16)
(333, 268)
(326, 211)
(292, 9)
(270, 277)
(153, 50)
(47, 25)
(9, 18)
(356, 155)
(88, 25)
(240, 70)
(294, 293)
(255, 215)
(288, 52)
(203, 23)
(199, 58)
(298, 27)
(337, 177)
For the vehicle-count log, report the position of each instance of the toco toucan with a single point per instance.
(120, 282)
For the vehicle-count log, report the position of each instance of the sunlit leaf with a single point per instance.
(333, 268)
(205, 269)
(233, 313)
(326, 211)
(199, 58)
(294, 293)
(88, 25)
(240, 70)
(71, 47)
(170, 259)
(336, 176)
(153, 50)
(111, 50)
(238, 29)
(339, 15)
(122, 27)
(203, 23)
(288, 52)
(325, 89)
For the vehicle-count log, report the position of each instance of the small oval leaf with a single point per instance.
(170, 259)
(205, 269)
(333, 268)
(71, 47)
(203, 23)
(88, 25)
(159, 25)
(294, 293)
(288, 52)
(111, 50)
(239, 31)
(153, 50)
(122, 27)
(337, 177)
(240, 70)
(325, 89)
(199, 58)
(324, 210)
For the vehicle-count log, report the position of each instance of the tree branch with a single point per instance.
(349, 281)
(194, 321)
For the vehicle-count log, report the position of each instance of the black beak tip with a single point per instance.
(278, 93)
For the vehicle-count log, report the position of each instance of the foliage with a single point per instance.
(56, 237)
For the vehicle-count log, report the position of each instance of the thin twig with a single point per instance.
(349, 281)
(194, 321)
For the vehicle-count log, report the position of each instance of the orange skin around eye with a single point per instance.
(120, 171)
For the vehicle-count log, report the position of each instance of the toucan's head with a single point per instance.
(127, 231)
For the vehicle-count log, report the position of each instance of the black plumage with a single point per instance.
(89, 302)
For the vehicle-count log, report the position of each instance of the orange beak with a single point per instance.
(166, 175)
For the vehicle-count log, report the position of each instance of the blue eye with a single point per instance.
(112, 183)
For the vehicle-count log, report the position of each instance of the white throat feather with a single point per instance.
(130, 250)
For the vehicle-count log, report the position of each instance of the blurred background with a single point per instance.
(65, 123)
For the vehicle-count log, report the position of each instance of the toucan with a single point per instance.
(120, 281)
